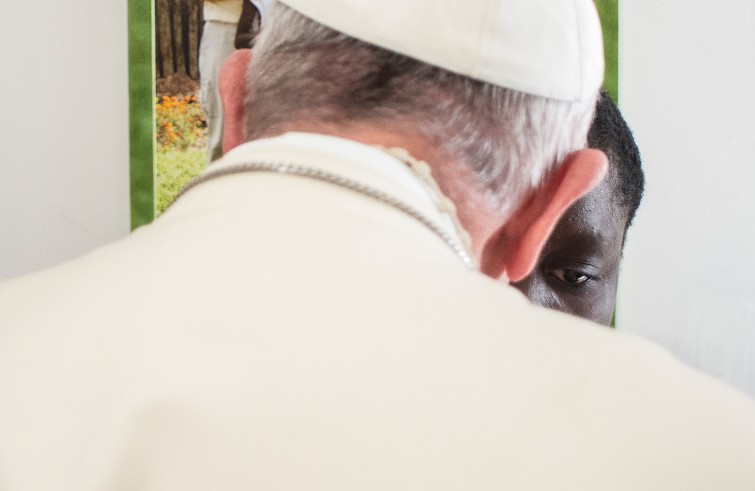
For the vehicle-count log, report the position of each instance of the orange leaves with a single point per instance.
(180, 122)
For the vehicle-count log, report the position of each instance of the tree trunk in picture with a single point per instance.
(178, 29)
(164, 37)
(193, 35)
(178, 36)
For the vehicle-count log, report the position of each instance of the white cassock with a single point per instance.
(275, 332)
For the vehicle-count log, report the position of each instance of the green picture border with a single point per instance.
(141, 87)
(608, 10)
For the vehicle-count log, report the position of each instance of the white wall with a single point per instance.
(64, 185)
(687, 87)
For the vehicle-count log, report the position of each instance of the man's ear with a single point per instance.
(232, 87)
(516, 247)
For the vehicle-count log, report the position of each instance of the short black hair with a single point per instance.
(611, 134)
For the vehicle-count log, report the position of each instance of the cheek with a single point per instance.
(605, 305)
(537, 290)
(523, 286)
(594, 302)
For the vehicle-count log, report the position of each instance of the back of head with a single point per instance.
(611, 134)
(505, 119)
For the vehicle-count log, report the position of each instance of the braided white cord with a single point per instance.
(301, 171)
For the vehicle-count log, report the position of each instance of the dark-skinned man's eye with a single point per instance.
(571, 276)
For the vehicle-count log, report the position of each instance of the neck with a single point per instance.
(453, 178)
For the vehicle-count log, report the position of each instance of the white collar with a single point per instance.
(328, 152)
(392, 171)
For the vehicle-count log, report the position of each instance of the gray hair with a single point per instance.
(304, 71)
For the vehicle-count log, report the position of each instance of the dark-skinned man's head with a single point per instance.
(578, 269)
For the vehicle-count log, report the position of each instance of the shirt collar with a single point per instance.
(369, 165)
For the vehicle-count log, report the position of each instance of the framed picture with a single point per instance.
(168, 136)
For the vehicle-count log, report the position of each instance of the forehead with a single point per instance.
(595, 221)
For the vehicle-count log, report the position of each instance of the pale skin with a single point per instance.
(507, 247)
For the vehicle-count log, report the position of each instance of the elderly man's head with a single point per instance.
(503, 151)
